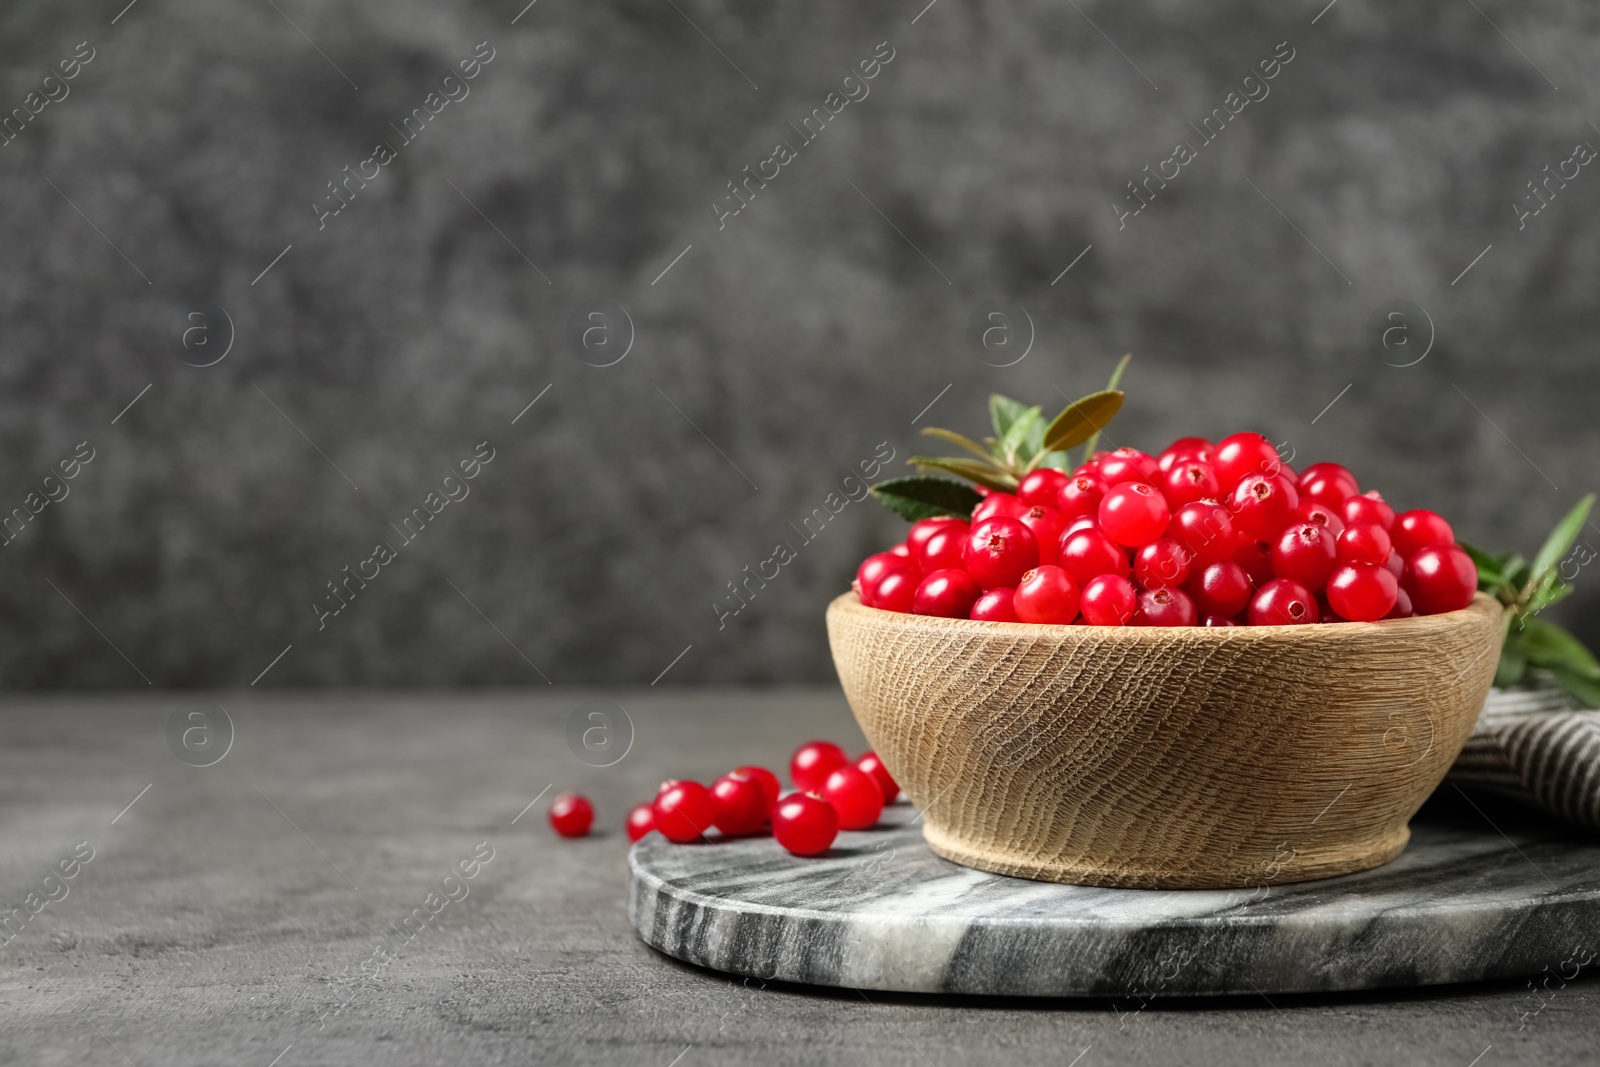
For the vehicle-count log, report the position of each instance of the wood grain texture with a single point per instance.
(1163, 757)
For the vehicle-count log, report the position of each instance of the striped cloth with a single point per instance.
(1539, 746)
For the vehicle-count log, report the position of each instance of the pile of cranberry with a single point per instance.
(832, 793)
(1201, 534)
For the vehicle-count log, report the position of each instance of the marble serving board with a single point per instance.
(880, 911)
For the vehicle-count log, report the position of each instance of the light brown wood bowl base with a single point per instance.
(1196, 757)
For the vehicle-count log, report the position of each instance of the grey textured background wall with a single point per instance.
(381, 348)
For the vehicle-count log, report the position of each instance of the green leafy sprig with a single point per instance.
(1526, 587)
(1022, 442)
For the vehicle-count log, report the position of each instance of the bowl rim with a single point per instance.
(1418, 626)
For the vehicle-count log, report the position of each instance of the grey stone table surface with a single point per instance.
(267, 906)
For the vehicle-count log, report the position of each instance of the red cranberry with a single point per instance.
(942, 549)
(1109, 600)
(1041, 487)
(875, 568)
(1306, 553)
(684, 812)
(1162, 562)
(1191, 480)
(1184, 449)
(1089, 553)
(1367, 507)
(1242, 454)
(1081, 496)
(997, 505)
(1082, 522)
(1402, 606)
(812, 762)
(1133, 513)
(1319, 514)
(1046, 594)
(902, 550)
(1440, 578)
(641, 820)
(804, 824)
(1046, 524)
(897, 591)
(1218, 620)
(855, 797)
(1206, 529)
(1256, 559)
(1328, 484)
(1365, 542)
(1362, 592)
(571, 815)
(1128, 465)
(1283, 602)
(741, 805)
(948, 594)
(1415, 530)
(999, 552)
(1166, 607)
(874, 768)
(995, 606)
(1263, 505)
(1221, 589)
(923, 529)
(1396, 564)
(768, 782)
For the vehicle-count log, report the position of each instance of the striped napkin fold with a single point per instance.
(1538, 746)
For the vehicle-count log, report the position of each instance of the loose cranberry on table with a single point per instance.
(1306, 553)
(571, 815)
(1362, 592)
(1166, 607)
(768, 782)
(684, 811)
(1440, 578)
(995, 606)
(641, 820)
(804, 824)
(854, 797)
(1415, 530)
(812, 762)
(1134, 513)
(1046, 594)
(1283, 602)
(1000, 551)
(1109, 600)
(948, 594)
(741, 805)
(1041, 487)
(874, 768)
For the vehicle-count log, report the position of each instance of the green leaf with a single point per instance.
(1561, 538)
(1003, 411)
(958, 440)
(1082, 419)
(1548, 592)
(1586, 690)
(1548, 645)
(923, 497)
(1116, 376)
(1513, 665)
(1490, 576)
(1515, 568)
(1017, 434)
(986, 474)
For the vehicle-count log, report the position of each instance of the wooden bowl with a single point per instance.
(1166, 757)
